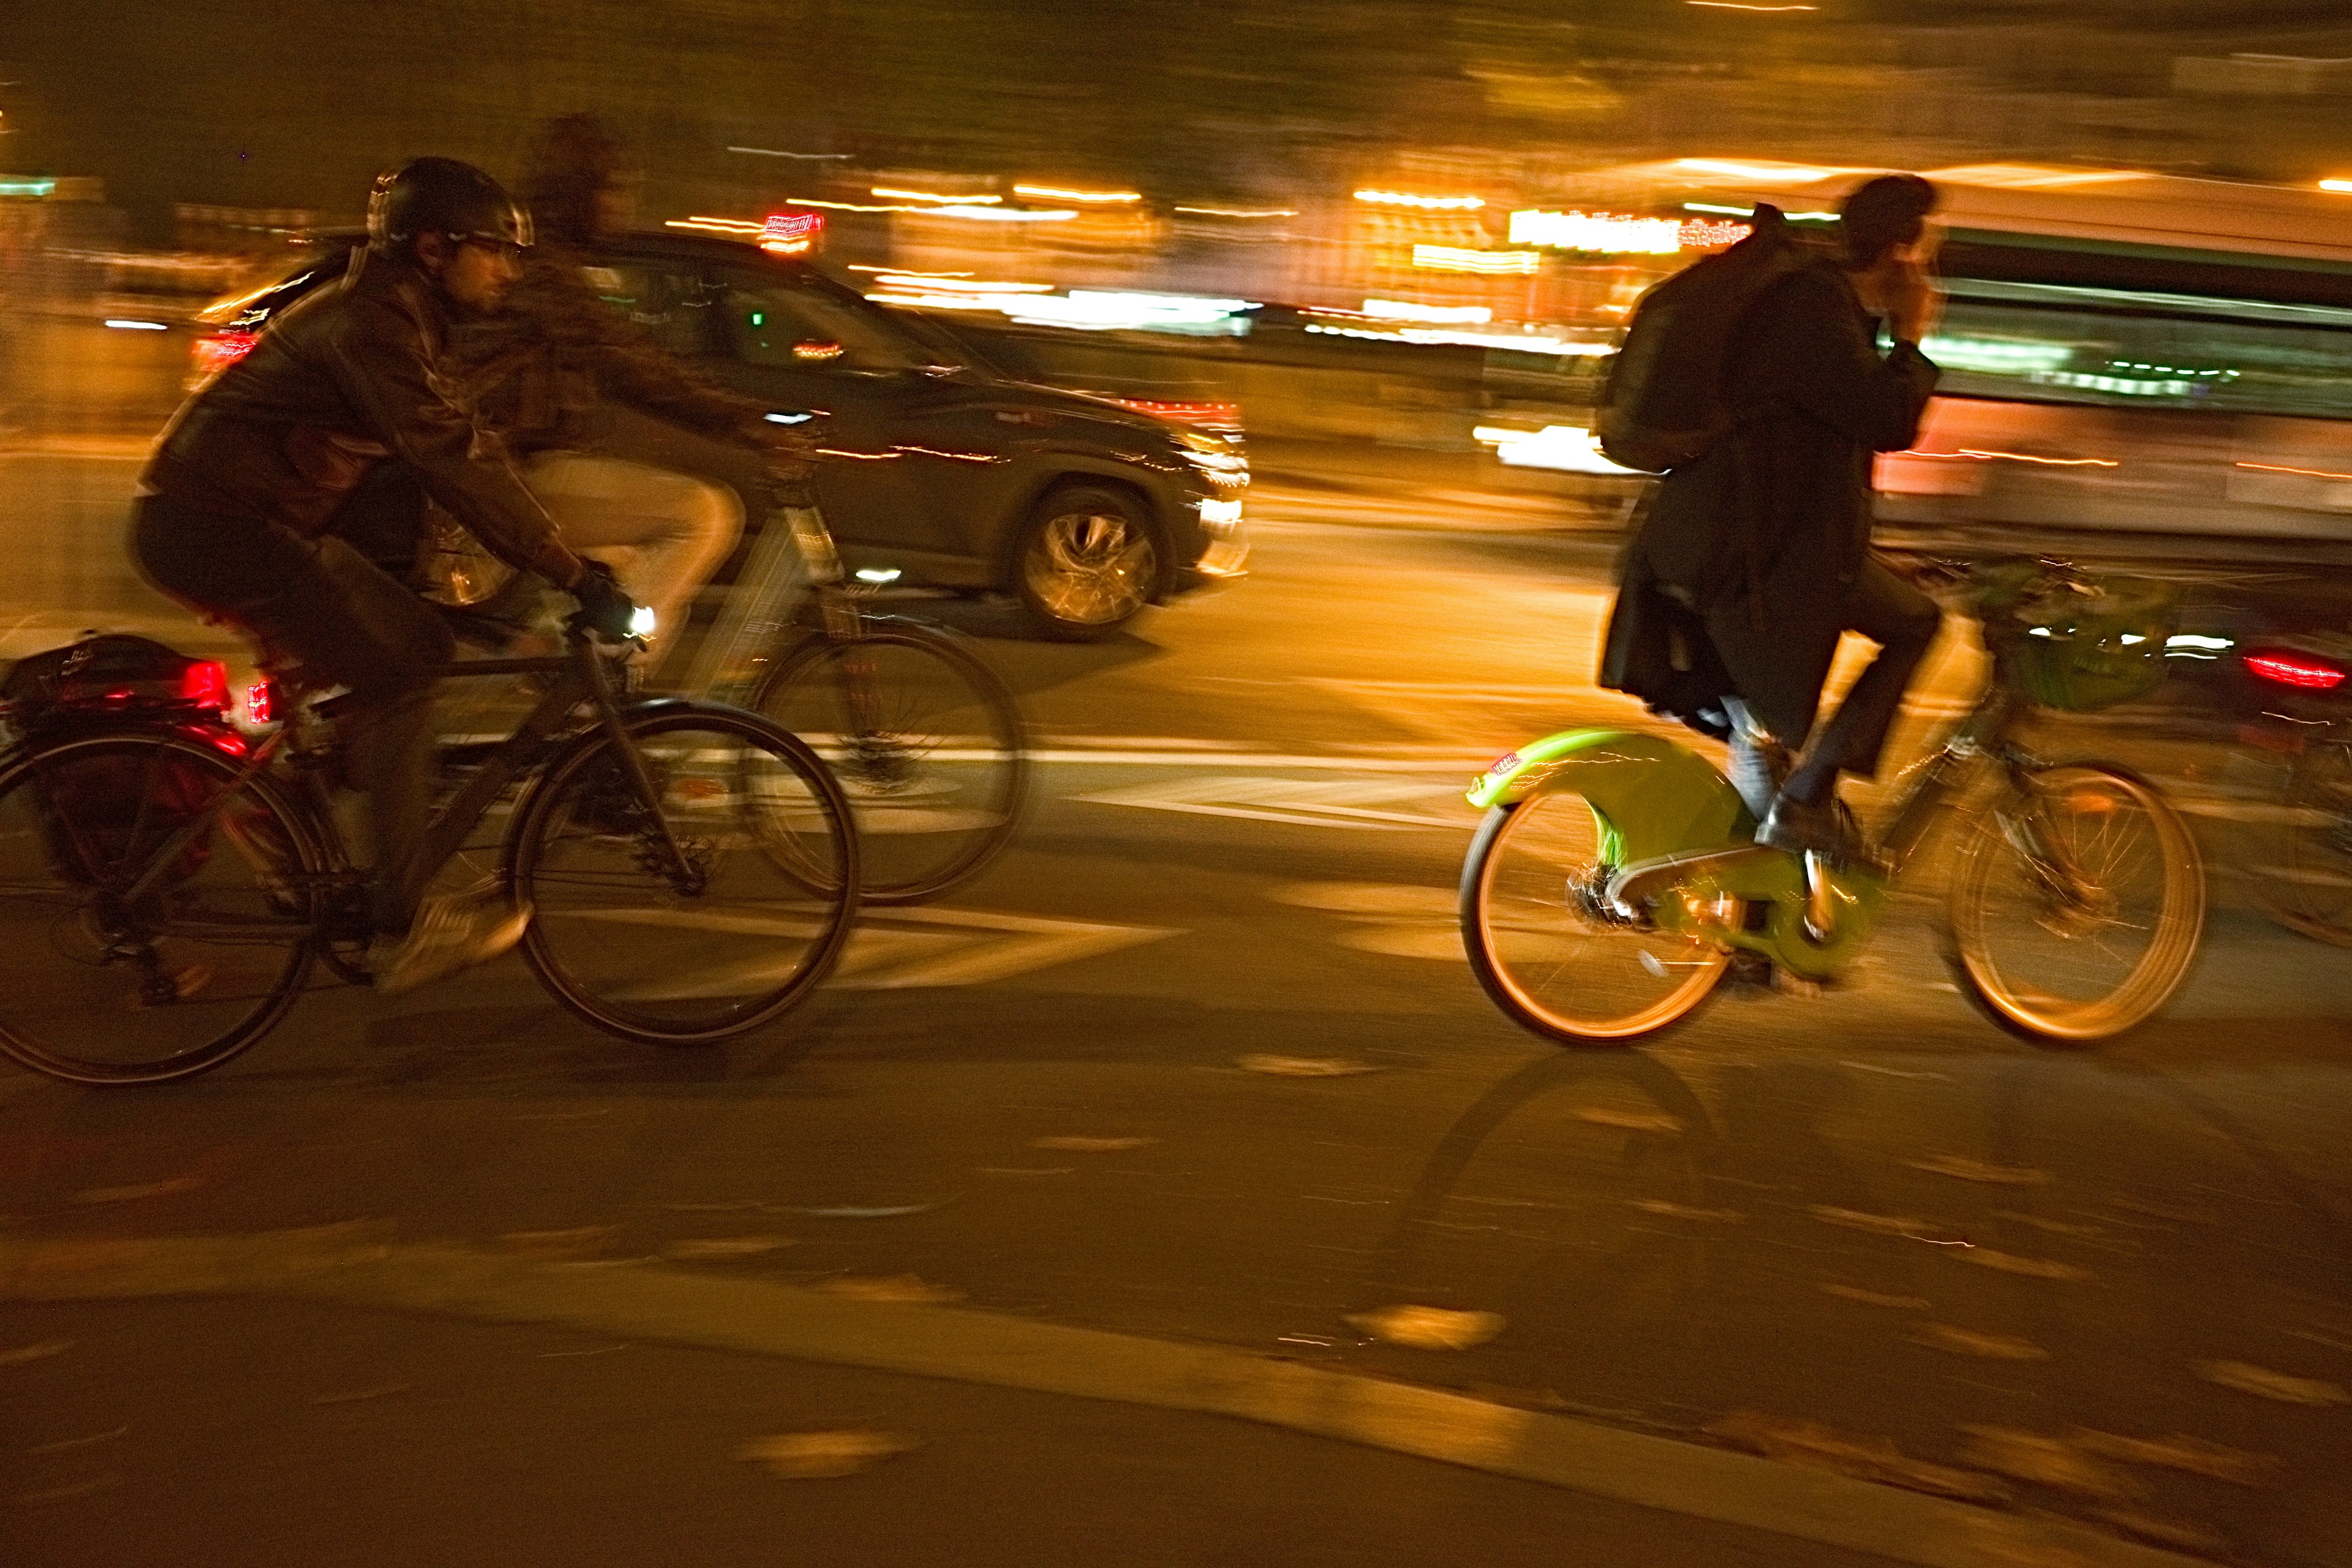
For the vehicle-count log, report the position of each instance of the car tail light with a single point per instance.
(2304, 672)
(216, 352)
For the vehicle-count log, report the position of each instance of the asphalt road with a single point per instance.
(1196, 1071)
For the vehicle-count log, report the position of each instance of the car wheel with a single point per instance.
(1088, 561)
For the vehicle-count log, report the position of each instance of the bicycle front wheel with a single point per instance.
(665, 915)
(1546, 946)
(2077, 905)
(96, 987)
(2306, 883)
(928, 744)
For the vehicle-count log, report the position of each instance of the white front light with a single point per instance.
(641, 621)
(1220, 516)
(877, 574)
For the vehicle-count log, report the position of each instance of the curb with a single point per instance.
(679, 1306)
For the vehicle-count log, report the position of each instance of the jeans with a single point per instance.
(349, 624)
(1902, 621)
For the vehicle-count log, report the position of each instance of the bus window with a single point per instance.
(2129, 349)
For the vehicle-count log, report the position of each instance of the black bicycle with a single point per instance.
(167, 883)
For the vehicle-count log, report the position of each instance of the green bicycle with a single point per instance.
(1616, 876)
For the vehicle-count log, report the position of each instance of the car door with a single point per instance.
(872, 392)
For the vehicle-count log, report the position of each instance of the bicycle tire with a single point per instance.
(885, 769)
(2306, 885)
(584, 846)
(1524, 929)
(190, 974)
(2069, 905)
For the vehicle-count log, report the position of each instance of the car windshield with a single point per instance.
(787, 320)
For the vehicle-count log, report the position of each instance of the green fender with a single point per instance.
(1652, 797)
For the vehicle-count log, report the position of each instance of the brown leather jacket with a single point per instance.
(545, 368)
(351, 376)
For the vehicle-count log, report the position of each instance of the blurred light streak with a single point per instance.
(2029, 457)
(1795, 173)
(1242, 212)
(902, 193)
(790, 233)
(717, 225)
(1993, 356)
(2029, 176)
(1406, 310)
(1735, 5)
(1604, 232)
(1456, 259)
(2336, 185)
(1567, 449)
(1059, 193)
(1433, 204)
(901, 272)
(2308, 473)
(1000, 215)
(1746, 212)
(2306, 673)
(27, 187)
(806, 157)
(1519, 342)
(945, 284)
(137, 326)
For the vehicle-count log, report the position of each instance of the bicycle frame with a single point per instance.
(582, 675)
(1683, 843)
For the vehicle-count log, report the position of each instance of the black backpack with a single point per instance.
(1663, 404)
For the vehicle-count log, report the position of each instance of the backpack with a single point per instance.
(1661, 404)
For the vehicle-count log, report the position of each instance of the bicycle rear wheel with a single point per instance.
(98, 989)
(928, 744)
(1548, 949)
(717, 941)
(2077, 907)
(2306, 885)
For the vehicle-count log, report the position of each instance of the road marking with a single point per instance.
(894, 949)
(666, 1305)
(1362, 805)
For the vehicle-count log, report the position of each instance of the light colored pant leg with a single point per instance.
(663, 533)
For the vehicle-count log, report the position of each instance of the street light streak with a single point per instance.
(1059, 193)
(1734, 6)
(906, 194)
(806, 157)
(2282, 468)
(1433, 203)
(1243, 211)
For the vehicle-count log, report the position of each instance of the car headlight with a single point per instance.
(1220, 517)
(1213, 455)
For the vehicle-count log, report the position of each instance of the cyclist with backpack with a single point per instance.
(1758, 389)
(237, 510)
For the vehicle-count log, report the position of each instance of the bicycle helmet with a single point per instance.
(442, 196)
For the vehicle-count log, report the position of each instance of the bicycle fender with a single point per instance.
(1655, 797)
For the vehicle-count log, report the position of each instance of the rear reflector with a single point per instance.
(2296, 670)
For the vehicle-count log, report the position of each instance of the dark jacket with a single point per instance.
(1754, 545)
(546, 369)
(348, 378)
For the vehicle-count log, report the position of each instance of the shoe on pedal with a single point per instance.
(1827, 829)
(449, 934)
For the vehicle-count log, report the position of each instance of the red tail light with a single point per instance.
(2301, 671)
(205, 684)
(216, 352)
(260, 702)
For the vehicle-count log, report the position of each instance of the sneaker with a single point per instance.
(449, 934)
(1827, 830)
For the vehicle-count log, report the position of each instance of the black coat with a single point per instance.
(1750, 549)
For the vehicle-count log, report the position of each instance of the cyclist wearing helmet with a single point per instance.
(236, 507)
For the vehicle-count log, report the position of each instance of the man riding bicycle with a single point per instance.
(238, 511)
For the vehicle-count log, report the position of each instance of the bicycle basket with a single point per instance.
(2082, 645)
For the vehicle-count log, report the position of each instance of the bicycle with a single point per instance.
(2304, 878)
(1615, 875)
(167, 884)
(925, 740)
